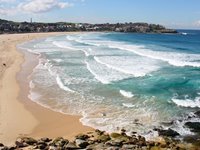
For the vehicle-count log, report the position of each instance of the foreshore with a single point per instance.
(19, 116)
(22, 120)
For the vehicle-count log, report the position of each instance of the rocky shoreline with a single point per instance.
(99, 140)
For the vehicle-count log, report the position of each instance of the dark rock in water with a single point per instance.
(81, 143)
(169, 132)
(197, 113)
(194, 126)
(168, 123)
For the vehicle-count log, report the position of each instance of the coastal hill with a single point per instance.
(32, 27)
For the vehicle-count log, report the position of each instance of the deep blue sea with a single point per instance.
(119, 80)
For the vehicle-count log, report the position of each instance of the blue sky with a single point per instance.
(171, 13)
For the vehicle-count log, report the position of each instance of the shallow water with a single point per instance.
(118, 80)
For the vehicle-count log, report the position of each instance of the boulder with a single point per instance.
(99, 132)
(169, 132)
(82, 136)
(71, 145)
(45, 139)
(29, 140)
(194, 126)
(113, 143)
(119, 138)
(103, 138)
(129, 146)
(81, 143)
(59, 142)
(197, 113)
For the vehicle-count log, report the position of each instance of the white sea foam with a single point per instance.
(58, 60)
(34, 96)
(126, 93)
(31, 84)
(62, 86)
(173, 58)
(129, 105)
(63, 44)
(187, 102)
(136, 66)
(184, 33)
(96, 75)
(87, 42)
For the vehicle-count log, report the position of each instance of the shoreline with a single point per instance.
(20, 116)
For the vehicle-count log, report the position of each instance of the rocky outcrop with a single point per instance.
(99, 140)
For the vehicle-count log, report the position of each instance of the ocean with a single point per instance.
(119, 80)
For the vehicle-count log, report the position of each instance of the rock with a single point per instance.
(103, 138)
(70, 145)
(194, 139)
(29, 140)
(197, 113)
(59, 142)
(4, 148)
(82, 136)
(113, 143)
(194, 126)
(99, 146)
(129, 146)
(45, 139)
(52, 148)
(115, 135)
(20, 144)
(81, 143)
(42, 146)
(155, 148)
(141, 141)
(119, 138)
(99, 132)
(169, 132)
(12, 148)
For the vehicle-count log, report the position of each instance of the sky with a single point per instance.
(178, 14)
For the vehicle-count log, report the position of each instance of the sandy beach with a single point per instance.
(18, 115)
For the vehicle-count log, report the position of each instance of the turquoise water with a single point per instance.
(119, 80)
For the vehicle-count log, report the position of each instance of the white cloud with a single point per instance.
(7, 11)
(6, 1)
(197, 23)
(38, 6)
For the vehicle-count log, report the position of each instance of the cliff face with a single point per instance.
(24, 27)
